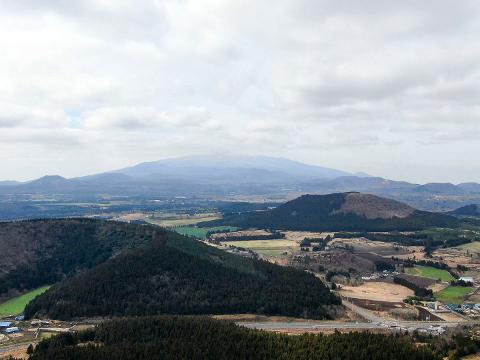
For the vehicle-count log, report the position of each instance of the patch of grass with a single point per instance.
(471, 247)
(271, 252)
(453, 294)
(430, 272)
(200, 233)
(16, 305)
(274, 248)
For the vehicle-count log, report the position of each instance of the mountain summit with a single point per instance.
(341, 211)
(198, 165)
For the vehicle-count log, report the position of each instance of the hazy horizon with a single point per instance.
(386, 88)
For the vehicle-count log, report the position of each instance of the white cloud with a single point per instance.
(140, 118)
(348, 84)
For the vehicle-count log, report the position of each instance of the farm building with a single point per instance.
(5, 324)
(467, 279)
(12, 330)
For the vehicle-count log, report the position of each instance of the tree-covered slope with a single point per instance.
(39, 252)
(472, 210)
(340, 211)
(200, 338)
(178, 275)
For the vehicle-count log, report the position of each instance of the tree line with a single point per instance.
(203, 338)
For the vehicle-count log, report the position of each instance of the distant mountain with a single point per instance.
(45, 184)
(173, 274)
(341, 211)
(194, 175)
(230, 165)
(472, 210)
(232, 175)
(9, 183)
(356, 183)
(440, 188)
(470, 187)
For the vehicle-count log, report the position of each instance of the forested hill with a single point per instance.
(178, 275)
(340, 211)
(472, 210)
(39, 252)
(185, 338)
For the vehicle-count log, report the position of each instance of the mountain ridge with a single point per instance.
(350, 211)
(209, 176)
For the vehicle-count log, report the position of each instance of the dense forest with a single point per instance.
(39, 252)
(178, 275)
(323, 213)
(184, 338)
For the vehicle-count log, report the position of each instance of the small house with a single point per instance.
(12, 330)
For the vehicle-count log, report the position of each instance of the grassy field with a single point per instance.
(200, 233)
(266, 247)
(453, 294)
(16, 305)
(430, 272)
(473, 247)
(172, 220)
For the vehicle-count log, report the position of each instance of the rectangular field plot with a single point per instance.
(430, 272)
(453, 294)
(272, 248)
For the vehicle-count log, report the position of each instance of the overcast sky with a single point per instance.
(391, 88)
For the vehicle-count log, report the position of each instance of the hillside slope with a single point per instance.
(472, 210)
(39, 252)
(341, 211)
(178, 275)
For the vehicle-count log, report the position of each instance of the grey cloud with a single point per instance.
(304, 78)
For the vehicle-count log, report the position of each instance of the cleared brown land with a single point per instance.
(298, 236)
(377, 305)
(374, 207)
(413, 252)
(376, 290)
(438, 287)
(377, 247)
(460, 256)
(18, 353)
(449, 316)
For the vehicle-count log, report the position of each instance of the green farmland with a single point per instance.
(272, 248)
(16, 305)
(453, 294)
(430, 272)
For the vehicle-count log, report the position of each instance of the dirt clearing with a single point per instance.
(375, 290)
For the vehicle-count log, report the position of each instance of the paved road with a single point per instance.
(372, 322)
(327, 325)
